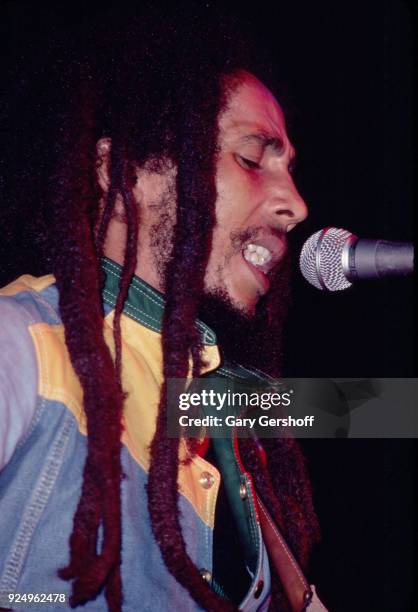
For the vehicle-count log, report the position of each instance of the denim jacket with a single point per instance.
(43, 450)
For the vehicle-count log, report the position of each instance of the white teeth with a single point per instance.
(257, 254)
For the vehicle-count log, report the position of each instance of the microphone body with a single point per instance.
(378, 258)
(332, 258)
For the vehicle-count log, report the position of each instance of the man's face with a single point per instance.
(257, 202)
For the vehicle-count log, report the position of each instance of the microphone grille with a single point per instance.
(321, 259)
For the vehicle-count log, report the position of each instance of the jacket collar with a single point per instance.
(144, 304)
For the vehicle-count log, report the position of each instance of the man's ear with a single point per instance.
(103, 148)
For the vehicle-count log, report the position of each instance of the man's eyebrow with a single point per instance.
(266, 140)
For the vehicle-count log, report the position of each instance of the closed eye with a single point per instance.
(246, 163)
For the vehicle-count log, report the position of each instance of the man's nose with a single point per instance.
(285, 206)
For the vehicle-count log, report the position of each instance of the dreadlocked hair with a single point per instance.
(155, 88)
(77, 266)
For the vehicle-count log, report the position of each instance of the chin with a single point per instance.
(247, 310)
(232, 301)
(246, 307)
(248, 323)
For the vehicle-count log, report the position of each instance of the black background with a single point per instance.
(348, 70)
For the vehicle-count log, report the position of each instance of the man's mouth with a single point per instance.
(257, 254)
(262, 256)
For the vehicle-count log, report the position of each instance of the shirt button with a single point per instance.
(258, 589)
(242, 491)
(206, 480)
(206, 575)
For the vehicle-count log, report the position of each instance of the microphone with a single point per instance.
(332, 258)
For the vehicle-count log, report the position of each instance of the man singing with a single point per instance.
(164, 228)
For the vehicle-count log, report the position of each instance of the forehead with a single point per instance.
(251, 106)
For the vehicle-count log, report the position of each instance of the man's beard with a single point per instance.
(251, 340)
(162, 233)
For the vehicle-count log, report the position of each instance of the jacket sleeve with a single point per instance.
(18, 377)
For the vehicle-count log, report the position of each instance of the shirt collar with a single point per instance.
(144, 303)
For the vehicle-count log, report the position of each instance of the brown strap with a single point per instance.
(291, 576)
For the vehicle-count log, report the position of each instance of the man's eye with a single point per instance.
(246, 163)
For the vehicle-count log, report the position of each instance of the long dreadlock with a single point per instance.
(156, 90)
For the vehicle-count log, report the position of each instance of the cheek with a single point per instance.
(237, 195)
